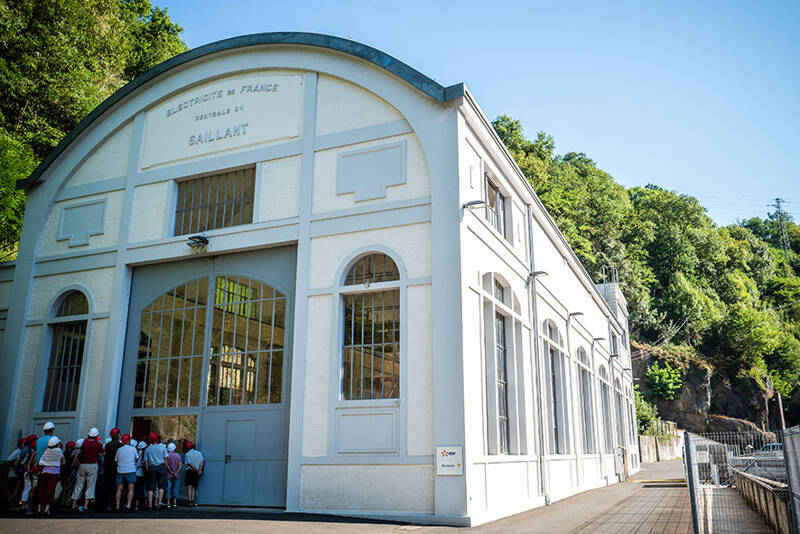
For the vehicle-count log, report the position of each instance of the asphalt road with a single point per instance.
(653, 501)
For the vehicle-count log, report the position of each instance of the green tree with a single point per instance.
(58, 61)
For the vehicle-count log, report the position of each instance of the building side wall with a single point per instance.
(501, 484)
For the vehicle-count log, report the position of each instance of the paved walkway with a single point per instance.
(652, 502)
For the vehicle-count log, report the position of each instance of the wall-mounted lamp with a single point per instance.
(534, 274)
(614, 356)
(472, 204)
(197, 241)
(626, 369)
(598, 339)
(576, 314)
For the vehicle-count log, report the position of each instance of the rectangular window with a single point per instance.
(64, 371)
(495, 207)
(614, 345)
(555, 383)
(215, 201)
(371, 359)
(502, 382)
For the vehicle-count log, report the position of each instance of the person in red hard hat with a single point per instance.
(155, 471)
(125, 460)
(67, 481)
(110, 468)
(194, 468)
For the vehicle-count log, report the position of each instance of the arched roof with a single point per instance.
(413, 77)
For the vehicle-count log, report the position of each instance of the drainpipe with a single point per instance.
(533, 313)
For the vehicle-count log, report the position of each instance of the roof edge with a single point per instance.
(413, 77)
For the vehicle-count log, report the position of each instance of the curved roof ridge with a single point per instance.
(413, 77)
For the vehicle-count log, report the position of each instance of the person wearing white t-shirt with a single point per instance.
(194, 468)
(125, 459)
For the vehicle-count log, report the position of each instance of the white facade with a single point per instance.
(352, 153)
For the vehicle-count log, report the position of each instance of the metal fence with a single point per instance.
(739, 481)
(791, 454)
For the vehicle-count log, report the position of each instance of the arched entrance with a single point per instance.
(207, 355)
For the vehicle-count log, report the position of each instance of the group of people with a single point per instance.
(123, 473)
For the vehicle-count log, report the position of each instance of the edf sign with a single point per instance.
(449, 461)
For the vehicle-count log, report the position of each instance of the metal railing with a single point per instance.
(739, 481)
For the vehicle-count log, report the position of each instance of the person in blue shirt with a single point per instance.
(41, 443)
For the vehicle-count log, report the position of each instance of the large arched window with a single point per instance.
(371, 329)
(69, 323)
(608, 429)
(557, 367)
(503, 364)
(585, 401)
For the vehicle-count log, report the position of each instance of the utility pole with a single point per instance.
(779, 202)
(785, 245)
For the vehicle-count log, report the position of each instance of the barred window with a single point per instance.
(502, 382)
(66, 355)
(371, 330)
(215, 201)
(605, 394)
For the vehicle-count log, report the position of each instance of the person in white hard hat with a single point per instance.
(139, 490)
(51, 461)
(41, 444)
(91, 452)
(173, 463)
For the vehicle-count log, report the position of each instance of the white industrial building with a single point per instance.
(325, 268)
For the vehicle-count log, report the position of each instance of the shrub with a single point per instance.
(664, 381)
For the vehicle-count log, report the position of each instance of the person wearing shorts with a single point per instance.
(155, 471)
(194, 468)
(125, 461)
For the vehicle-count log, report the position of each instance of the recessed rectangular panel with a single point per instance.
(366, 431)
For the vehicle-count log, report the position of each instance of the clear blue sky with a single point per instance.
(699, 97)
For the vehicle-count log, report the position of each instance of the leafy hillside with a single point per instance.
(726, 297)
(58, 61)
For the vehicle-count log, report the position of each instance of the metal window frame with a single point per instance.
(199, 190)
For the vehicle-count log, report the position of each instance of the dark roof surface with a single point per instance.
(413, 77)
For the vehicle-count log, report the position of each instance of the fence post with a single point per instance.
(687, 455)
(790, 454)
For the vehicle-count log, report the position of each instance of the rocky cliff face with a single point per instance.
(708, 403)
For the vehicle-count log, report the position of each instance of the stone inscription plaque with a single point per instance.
(230, 113)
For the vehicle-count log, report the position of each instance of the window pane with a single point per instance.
(170, 342)
(215, 201)
(371, 269)
(246, 343)
(64, 370)
(371, 348)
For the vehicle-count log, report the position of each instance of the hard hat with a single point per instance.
(142, 445)
(107, 441)
(153, 437)
(21, 442)
(134, 443)
(48, 426)
(126, 438)
(114, 432)
(31, 440)
(79, 443)
(52, 442)
(70, 444)
(171, 447)
(93, 432)
(188, 445)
